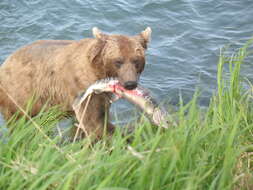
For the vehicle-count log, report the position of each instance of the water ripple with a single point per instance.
(186, 39)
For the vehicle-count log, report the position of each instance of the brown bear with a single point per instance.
(57, 71)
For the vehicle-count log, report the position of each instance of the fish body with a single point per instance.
(139, 97)
(104, 85)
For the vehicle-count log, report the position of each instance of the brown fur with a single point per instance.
(56, 71)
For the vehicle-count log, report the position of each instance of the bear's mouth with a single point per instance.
(129, 84)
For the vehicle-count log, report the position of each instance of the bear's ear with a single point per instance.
(94, 54)
(97, 33)
(144, 37)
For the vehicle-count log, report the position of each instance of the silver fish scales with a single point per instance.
(139, 97)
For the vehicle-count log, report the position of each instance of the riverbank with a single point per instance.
(209, 149)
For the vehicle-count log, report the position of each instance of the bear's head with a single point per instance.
(120, 56)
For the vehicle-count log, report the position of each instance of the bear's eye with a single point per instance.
(118, 63)
(137, 63)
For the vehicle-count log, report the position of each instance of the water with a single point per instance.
(186, 39)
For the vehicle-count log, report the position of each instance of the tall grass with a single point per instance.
(210, 149)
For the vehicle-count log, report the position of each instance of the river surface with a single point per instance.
(186, 39)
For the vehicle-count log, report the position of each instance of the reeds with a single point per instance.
(209, 149)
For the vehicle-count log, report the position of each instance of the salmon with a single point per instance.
(139, 96)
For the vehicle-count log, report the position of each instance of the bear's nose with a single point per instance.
(130, 85)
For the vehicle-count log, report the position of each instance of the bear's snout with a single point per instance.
(130, 85)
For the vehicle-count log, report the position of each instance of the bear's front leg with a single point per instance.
(93, 118)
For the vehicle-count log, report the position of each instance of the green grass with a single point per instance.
(209, 149)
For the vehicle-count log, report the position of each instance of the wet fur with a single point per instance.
(56, 71)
